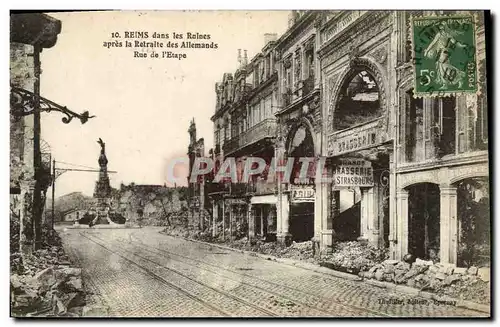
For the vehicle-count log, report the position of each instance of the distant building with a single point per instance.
(73, 215)
(196, 190)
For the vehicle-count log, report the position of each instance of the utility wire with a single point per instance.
(75, 165)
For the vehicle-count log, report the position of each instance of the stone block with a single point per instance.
(75, 283)
(472, 271)
(403, 266)
(460, 271)
(389, 269)
(434, 269)
(421, 262)
(46, 278)
(379, 275)
(484, 274)
(388, 277)
(451, 279)
(440, 276)
(399, 277)
(390, 262)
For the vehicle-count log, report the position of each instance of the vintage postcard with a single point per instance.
(250, 164)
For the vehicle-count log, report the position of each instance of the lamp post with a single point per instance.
(140, 213)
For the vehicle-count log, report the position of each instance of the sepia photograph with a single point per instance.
(250, 164)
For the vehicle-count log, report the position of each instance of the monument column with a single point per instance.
(102, 191)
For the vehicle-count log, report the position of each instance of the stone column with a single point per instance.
(329, 203)
(202, 205)
(223, 219)
(231, 207)
(370, 227)
(26, 218)
(251, 221)
(262, 222)
(448, 224)
(365, 213)
(402, 227)
(284, 235)
(282, 202)
(215, 217)
(393, 217)
(318, 216)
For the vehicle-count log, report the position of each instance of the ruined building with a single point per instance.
(338, 86)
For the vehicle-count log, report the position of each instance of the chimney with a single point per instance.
(245, 58)
(270, 37)
(239, 56)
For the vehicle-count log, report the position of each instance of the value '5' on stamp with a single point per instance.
(444, 55)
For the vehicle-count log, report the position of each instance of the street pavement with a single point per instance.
(143, 273)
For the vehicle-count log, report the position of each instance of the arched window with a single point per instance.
(358, 102)
(301, 145)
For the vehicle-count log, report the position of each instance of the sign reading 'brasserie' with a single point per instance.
(354, 172)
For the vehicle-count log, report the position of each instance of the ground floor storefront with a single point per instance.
(443, 213)
(431, 212)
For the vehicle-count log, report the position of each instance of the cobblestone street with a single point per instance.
(142, 273)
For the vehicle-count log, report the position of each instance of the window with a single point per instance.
(358, 101)
(268, 66)
(217, 140)
(309, 62)
(413, 131)
(428, 128)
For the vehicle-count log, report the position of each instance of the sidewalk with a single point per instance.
(323, 270)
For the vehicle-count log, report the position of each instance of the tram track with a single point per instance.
(356, 311)
(190, 295)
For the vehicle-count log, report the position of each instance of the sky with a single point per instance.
(143, 106)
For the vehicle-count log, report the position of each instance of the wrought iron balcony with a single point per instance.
(262, 130)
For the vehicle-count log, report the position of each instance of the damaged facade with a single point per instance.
(196, 198)
(30, 159)
(338, 85)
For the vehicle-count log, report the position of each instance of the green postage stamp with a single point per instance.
(444, 55)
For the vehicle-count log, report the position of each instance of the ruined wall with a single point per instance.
(156, 204)
(21, 154)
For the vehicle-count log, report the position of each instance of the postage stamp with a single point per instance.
(444, 55)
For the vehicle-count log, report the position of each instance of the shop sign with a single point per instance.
(302, 194)
(353, 172)
(359, 138)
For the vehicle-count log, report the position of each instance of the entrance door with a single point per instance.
(302, 221)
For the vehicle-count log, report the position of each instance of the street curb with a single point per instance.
(323, 270)
(289, 262)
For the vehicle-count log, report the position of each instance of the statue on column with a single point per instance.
(102, 192)
(103, 161)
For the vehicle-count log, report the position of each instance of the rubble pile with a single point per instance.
(353, 257)
(466, 283)
(53, 291)
(45, 284)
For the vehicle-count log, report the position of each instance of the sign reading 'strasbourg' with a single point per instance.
(293, 170)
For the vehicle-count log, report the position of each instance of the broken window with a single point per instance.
(428, 128)
(473, 222)
(358, 102)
